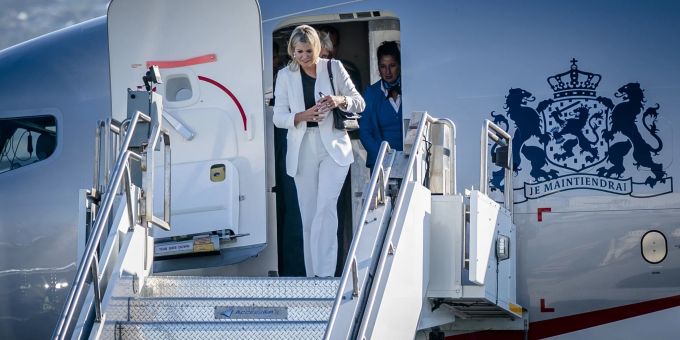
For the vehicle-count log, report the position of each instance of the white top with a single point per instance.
(396, 103)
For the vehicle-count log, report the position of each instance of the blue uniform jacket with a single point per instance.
(379, 122)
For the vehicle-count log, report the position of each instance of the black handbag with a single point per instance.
(346, 121)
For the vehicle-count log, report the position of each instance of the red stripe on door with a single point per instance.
(231, 95)
(208, 58)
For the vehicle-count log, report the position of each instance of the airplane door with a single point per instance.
(210, 56)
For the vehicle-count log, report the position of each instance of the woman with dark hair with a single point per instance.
(318, 156)
(382, 119)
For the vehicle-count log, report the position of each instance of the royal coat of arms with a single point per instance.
(579, 140)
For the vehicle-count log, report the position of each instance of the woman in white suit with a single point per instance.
(318, 155)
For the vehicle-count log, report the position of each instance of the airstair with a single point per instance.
(419, 247)
(223, 308)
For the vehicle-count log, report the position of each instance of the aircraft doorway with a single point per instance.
(355, 38)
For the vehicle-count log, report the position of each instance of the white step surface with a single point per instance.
(198, 309)
(192, 307)
(240, 287)
(216, 330)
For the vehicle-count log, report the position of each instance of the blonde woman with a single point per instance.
(318, 155)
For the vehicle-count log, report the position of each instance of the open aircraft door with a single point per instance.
(210, 57)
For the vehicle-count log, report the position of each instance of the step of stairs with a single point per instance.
(240, 287)
(190, 307)
(219, 330)
(200, 309)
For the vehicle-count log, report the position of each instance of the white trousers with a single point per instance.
(319, 180)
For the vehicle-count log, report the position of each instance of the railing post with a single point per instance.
(499, 136)
(483, 182)
(355, 278)
(97, 153)
(167, 172)
(107, 151)
(450, 187)
(379, 196)
(128, 196)
(94, 273)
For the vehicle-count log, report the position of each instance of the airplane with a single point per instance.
(586, 90)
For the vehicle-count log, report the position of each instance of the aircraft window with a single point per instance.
(654, 246)
(26, 140)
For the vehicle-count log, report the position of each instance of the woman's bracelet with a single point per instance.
(343, 105)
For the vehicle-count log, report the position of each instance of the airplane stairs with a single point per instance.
(385, 278)
(170, 307)
(213, 307)
(148, 306)
(115, 294)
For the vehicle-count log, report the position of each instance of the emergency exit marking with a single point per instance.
(545, 309)
(540, 211)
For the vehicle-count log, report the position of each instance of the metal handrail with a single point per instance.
(89, 260)
(452, 158)
(499, 136)
(377, 182)
(114, 126)
(408, 176)
(350, 270)
(97, 143)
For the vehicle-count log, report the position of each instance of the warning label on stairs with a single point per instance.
(250, 312)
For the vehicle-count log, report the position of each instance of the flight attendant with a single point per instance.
(382, 119)
(318, 156)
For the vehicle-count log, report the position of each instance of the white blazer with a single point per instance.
(290, 100)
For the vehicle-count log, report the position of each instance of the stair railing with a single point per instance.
(500, 137)
(414, 172)
(371, 199)
(88, 268)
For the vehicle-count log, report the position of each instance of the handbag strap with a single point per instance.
(330, 75)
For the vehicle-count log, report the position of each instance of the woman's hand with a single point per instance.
(328, 103)
(313, 114)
